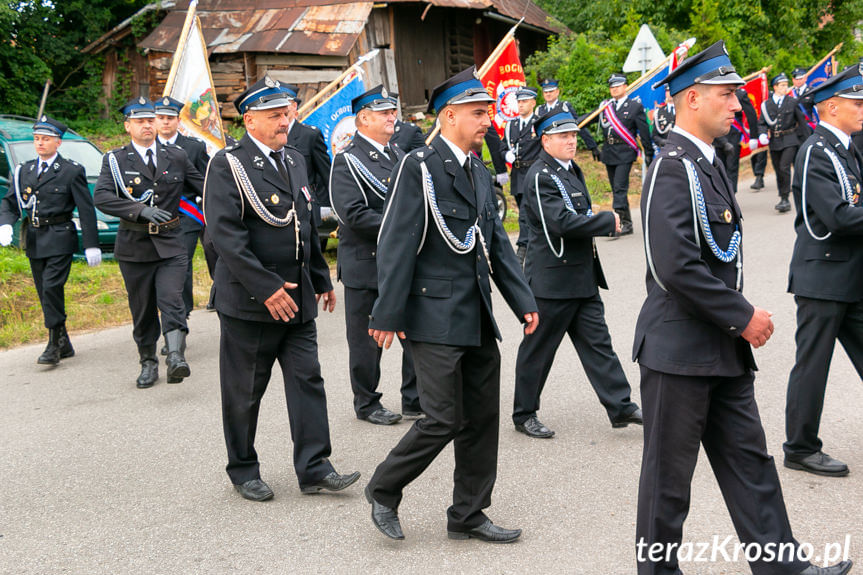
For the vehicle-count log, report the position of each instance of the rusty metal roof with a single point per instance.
(322, 27)
(272, 26)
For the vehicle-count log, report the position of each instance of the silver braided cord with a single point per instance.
(844, 183)
(377, 186)
(558, 253)
(120, 185)
(245, 185)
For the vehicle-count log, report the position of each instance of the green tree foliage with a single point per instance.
(781, 33)
(43, 40)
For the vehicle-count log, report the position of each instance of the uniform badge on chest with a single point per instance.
(726, 215)
(274, 199)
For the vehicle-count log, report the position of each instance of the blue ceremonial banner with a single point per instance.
(650, 98)
(818, 74)
(334, 117)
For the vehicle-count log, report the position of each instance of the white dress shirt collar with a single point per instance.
(377, 146)
(172, 140)
(142, 151)
(706, 149)
(265, 150)
(565, 164)
(53, 159)
(844, 138)
(460, 156)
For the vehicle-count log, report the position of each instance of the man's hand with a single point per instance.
(531, 321)
(759, 329)
(94, 256)
(155, 215)
(509, 157)
(329, 300)
(383, 338)
(753, 144)
(616, 223)
(281, 305)
(763, 139)
(595, 152)
(501, 178)
(5, 235)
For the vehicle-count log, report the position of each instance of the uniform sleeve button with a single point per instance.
(424, 290)
(373, 254)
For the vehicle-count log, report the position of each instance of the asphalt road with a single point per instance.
(99, 477)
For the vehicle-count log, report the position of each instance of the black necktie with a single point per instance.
(42, 170)
(469, 173)
(280, 166)
(387, 154)
(151, 165)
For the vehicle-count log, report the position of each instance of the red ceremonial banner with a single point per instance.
(502, 81)
(756, 88)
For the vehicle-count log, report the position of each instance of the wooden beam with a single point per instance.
(301, 60)
(304, 76)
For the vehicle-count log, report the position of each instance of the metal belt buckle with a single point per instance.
(34, 221)
(152, 228)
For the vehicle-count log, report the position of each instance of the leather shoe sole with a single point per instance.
(634, 418)
(487, 532)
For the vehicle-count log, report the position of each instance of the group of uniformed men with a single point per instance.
(420, 243)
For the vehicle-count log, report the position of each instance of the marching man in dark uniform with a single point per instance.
(406, 135)
(269, 276)
(522, 145)
(309, 141)
(142, 183)
(728, 146)
(358, 188)
(621, 119)
(440, 243)
(191, 217)
(663, 121)
(798, 91)
(553, 103)
(693, 336)
(826, 275)
(44, 192)
(783, 119)
(564, 272)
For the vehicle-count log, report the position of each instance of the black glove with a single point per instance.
(595, 152)
(155, 215)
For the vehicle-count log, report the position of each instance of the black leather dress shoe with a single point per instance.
(838, 569)
(783, 206)
(634, 418)
(332, 482)
(255, 490)
(758, 184)
(533, 427)
(385, 518)
(488, 532)
(625, 229)
(383, 416)
(818, 463)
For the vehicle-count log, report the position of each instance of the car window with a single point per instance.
(4, 163)
(80, 151)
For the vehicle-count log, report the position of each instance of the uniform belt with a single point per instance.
(783, 132)
(523, 164)
(150, 228)
(38, 222)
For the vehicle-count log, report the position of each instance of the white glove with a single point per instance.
(501, 178)
(509, 157)
(94, 256)
(5, 235)
(763, 139)
(753, 144)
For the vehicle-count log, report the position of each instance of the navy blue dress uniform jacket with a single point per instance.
(60, 190)
(255, 258)
(702, 308)
(615, 150)
(360, 210)
(577, 272)
(175, 177)
(832, 268)
(197, 151)
(309, 141)
(784, 131)
(436, 295)
(407, 136)
(522, 141)
(663, 121)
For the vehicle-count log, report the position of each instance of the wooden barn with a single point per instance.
(309, 42)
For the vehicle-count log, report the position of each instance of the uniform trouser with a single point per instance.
(618, 177)
(782, 161)
(819, 324)
(247, 352)
(155, 287)
(759, 164)
(459, 387)
(50, 275)
(191, 233)
(730, 158)
(364, 357)
(680, 414)
(518, 185)
(583, 319)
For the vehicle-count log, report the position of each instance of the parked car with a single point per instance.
(16, 147)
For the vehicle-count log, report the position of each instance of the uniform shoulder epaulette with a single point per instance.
(422, 153)
(292, 148)
(674, 152)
